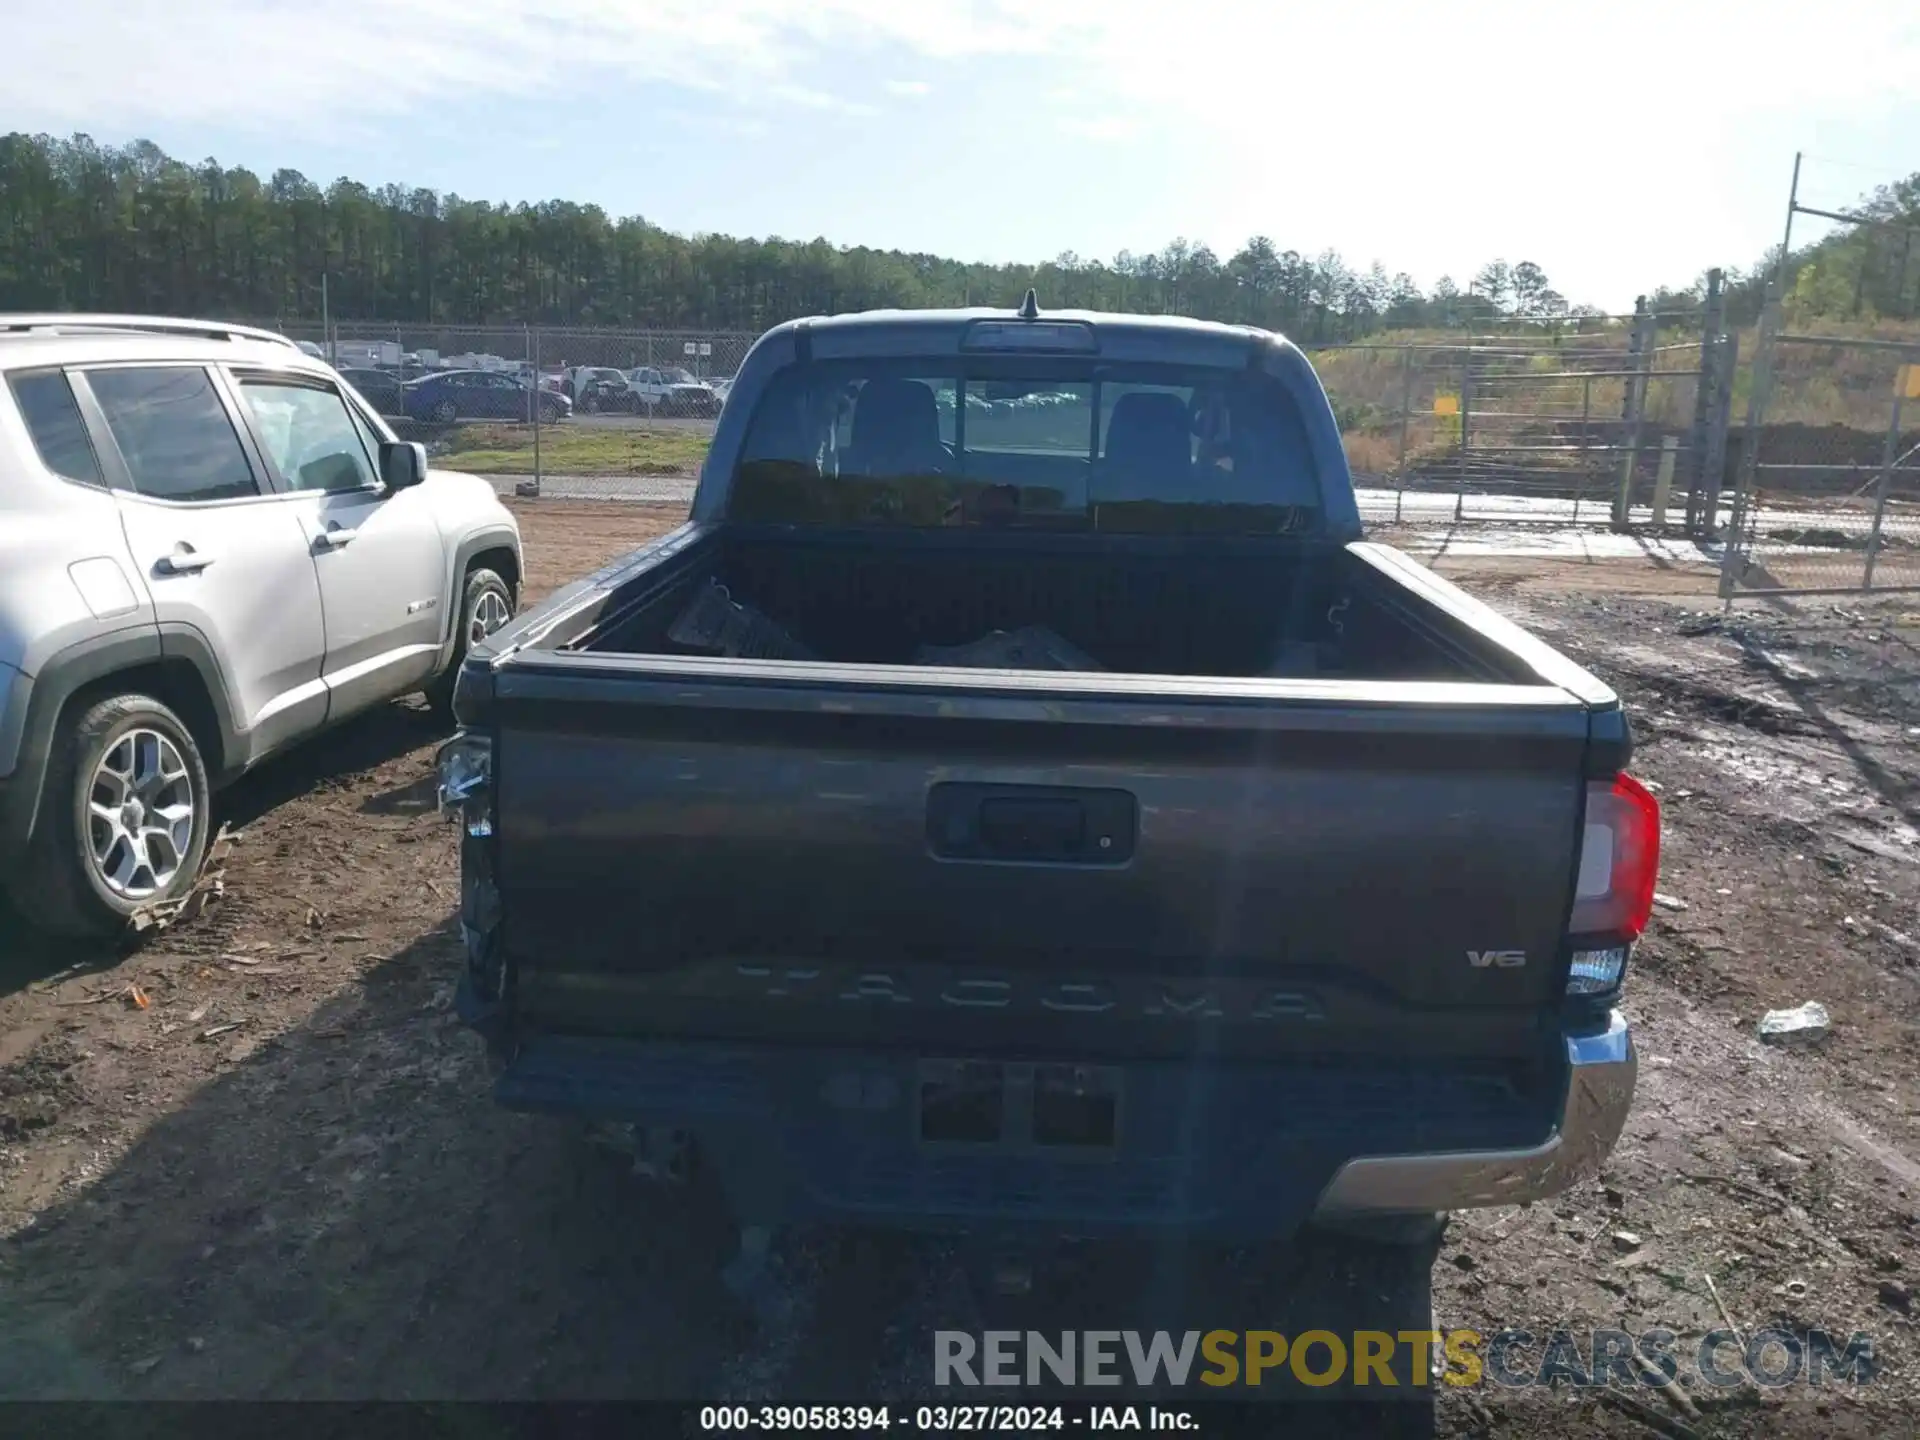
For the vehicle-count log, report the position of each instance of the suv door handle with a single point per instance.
(184, 560)
(334, 536)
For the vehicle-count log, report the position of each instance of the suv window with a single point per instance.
(308, 434)
(173, 433)
(370, 436)
(53, 419)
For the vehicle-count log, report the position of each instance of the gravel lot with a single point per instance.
(282, 1177)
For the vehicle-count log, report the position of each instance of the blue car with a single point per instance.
(451, 395)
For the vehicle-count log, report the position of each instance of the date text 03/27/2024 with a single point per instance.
(940, 1419)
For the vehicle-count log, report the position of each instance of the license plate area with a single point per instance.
(1059, 1108)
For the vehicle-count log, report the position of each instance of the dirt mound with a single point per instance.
(1845, 460)
(39, 1086)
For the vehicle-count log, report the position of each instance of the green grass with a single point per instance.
(508, 450)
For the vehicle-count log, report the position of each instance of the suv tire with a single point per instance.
(124, 821)
(486, 603)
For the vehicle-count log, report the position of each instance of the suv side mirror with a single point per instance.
(403, 463)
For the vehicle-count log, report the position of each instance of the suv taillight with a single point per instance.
(1619, 861)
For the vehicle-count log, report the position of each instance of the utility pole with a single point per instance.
(1786, 240)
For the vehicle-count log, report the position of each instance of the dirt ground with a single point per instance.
(281, 1176)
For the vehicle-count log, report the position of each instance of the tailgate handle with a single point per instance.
(1060, 825)
(1019, 829)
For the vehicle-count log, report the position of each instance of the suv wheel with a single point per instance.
(123, 823)
(485, 605)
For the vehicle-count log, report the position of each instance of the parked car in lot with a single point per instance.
(594, 388)
(209, 550)
(480, 395)
(689, 395)
(382, 389)
(1057, 821)
(671, 393)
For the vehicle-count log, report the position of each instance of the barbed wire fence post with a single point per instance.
(1903, 381)
(1466, 420)
(1633, 407)
(1707, 409)
(1585, 442)
(1406, 415)
(1717, 433)
(531, 488)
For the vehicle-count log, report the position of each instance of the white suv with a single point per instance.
(210, 547)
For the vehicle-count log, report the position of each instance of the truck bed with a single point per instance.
(1136, 605)
(854, 849)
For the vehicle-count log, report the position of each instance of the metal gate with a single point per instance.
(1606, 427)
(1576, 434)
(1827, 508)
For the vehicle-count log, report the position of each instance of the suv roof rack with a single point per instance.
(138, 324)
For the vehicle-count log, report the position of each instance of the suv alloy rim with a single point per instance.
(140, 814)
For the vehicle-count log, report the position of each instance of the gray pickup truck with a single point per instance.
(1018, 797)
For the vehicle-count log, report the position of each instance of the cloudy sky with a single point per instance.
(1619, 146)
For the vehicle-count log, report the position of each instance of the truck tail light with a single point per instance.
(465, 774)
(1619, 863)
(1063, 336)
(1597, 972)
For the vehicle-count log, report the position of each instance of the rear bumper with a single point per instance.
(1601, 1069)
(1241, 1152)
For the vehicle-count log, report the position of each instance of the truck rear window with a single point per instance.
(1056, 444)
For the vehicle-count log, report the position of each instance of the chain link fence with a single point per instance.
(1580, 431)
(541, 410)
(1827, 508)
(1618, 425)
(414, 350)
(1827, 498)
